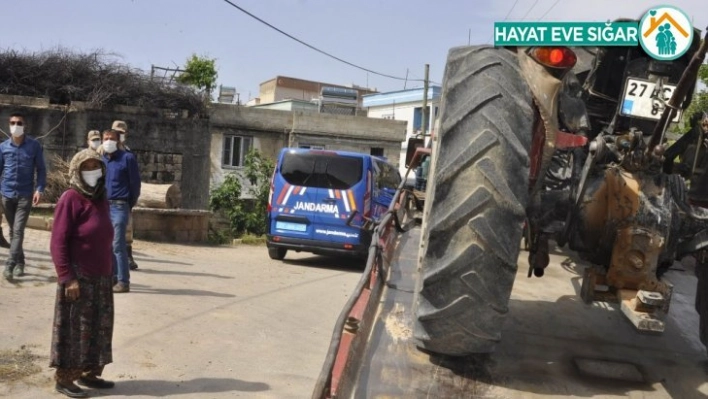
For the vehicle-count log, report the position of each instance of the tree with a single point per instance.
(200, 72)
(700, 99)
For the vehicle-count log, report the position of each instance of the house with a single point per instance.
(405, 105)
(236, 130)
(286, 88)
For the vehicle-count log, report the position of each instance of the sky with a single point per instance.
(395, 37)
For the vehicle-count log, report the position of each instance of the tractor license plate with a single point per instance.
(643, 100)
(290, 226)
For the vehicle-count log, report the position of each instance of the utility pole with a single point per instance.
(424, 122)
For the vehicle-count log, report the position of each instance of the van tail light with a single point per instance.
(367, 196)
(269, 207)
(554, 57)
(348, 246)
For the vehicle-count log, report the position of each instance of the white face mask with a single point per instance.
(17, 131)
(90, 177)
(110, 146)
(95, 144)
(122, 137)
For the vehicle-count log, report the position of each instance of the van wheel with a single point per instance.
(475, 208)
(277, 253)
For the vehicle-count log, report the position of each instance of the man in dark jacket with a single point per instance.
(122, 189)
(122, 128)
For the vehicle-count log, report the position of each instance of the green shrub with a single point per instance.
(246, 216)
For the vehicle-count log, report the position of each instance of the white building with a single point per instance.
(405, 105)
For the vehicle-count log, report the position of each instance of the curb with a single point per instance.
(249, 241)
(40, 223)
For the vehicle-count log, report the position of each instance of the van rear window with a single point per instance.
(321, 170)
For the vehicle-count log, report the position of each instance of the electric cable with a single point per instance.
(547, 11)
(529, 10)
(315, 48)
(506, 17)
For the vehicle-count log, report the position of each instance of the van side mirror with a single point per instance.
(413, 144)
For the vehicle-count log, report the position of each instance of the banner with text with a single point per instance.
(566, 34)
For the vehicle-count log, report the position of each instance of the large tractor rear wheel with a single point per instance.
(475, 206)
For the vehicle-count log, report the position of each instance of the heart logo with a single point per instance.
(652, 12)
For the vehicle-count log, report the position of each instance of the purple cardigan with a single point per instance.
(82, 235)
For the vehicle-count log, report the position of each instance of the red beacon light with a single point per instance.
(555, 57)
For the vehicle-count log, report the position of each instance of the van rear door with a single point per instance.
(292, 190)
(343, 186)
(320, 189)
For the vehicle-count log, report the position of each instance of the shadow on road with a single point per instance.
(34, 251)
(142, 289)
(197, 386)
(180, 273)
(168, 262)
(352, 265)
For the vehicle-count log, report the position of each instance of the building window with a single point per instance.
(311, 147)
(377, 152)
(418, 118)
(235, 150)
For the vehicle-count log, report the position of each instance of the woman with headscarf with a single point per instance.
(81, 248)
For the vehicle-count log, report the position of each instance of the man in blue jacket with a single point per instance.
(122, 189)
(20, 158)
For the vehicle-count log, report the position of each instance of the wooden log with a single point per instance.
(160, 196)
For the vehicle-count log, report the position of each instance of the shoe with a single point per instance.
(3, 241)
(19, 271)
(7, 273)
(120, 288)
(95, 382)
(131, 261)
(71, 391)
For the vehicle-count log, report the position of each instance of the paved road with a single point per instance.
(208, 322)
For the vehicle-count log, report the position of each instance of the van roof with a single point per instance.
(345, 153)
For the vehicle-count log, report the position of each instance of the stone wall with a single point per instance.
(171, 225)
(170, 147)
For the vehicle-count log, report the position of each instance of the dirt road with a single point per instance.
(199, 322)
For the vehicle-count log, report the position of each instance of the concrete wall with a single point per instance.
(171, 148)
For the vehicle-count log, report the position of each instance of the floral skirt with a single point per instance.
(82, 334)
